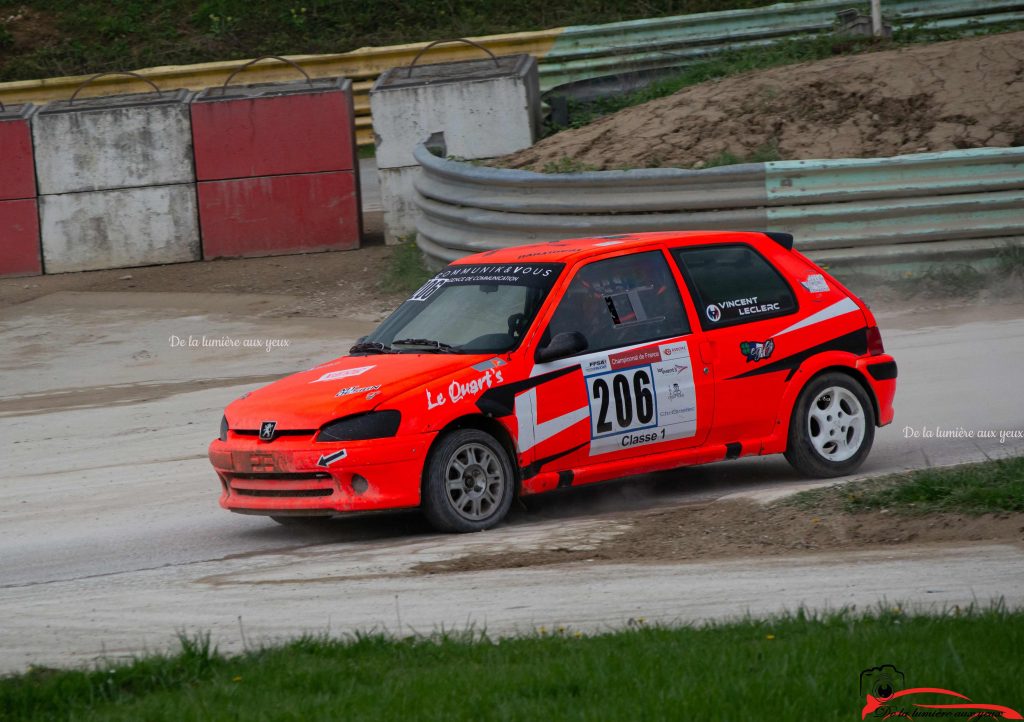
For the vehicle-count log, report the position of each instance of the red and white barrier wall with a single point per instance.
(19, 214)
(277, 168)
(165, 177)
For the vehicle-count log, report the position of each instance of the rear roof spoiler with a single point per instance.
(783, 239)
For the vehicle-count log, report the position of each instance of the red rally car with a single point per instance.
(532, 368)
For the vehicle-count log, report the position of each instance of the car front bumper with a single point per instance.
(298, 476)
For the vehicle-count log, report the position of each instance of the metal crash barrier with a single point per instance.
(913, 207)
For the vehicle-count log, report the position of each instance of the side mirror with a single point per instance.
(563, 344)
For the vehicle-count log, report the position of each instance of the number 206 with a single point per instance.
(627, 397)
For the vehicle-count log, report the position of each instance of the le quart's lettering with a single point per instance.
(457, 391)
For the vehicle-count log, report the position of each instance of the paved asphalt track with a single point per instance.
(111, 540)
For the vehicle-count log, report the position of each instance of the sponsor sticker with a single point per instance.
(357, 390)
(335, 375)
(491, 363)
(670, 369)
(815, 283)
(757, 350)
(326, 460)
(643, 396)
(674, 351)
(635, 357)
(738, 307)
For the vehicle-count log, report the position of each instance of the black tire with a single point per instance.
(832, 427)
(469, 482)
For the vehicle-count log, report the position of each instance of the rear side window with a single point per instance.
(620, 302)
(733, 284)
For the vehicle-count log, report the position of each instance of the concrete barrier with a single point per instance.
(484, 108)
(277, 169)
(126, 141)
(19, 215)
(119, 228)
(117, 185)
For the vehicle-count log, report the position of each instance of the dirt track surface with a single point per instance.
(943, 96)
(111, 540)
(729, 529)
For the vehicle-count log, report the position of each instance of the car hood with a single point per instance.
(348, 385)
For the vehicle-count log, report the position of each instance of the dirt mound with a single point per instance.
(957, 94)
(744, 529)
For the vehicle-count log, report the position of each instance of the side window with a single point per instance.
(733, 284)
(620, 302)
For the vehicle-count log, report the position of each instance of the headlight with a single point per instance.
(371, 425)
(223, 428)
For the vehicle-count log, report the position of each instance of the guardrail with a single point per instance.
(564, 54)
(834, 208)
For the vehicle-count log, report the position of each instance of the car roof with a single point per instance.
(574, 249)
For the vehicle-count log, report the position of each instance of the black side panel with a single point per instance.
(883, 371)
(501, 400)
(528, 472)
(855, 342)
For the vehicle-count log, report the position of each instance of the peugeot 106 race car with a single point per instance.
(534, 368)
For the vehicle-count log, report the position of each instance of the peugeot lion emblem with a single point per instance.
(267, 430)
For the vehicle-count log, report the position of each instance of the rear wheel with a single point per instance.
(469, 482)
(832, 427)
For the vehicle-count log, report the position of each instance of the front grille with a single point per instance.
(277, 432)
(282, 476)
(293, 493)
(288, 484)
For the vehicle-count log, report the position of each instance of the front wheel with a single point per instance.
(832, 427)
(469, 482)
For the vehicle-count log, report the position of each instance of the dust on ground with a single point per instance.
(943, 96)
(725, 529)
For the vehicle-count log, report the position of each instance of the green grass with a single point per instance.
(765, 154)
(1010, 260)
(565, 164)
(787, 52)
(964, 280)
(407, 271)
(797, 667)
(958, 280)
(989, 487)
(70, 37)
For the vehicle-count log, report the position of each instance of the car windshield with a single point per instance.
(478, 308)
